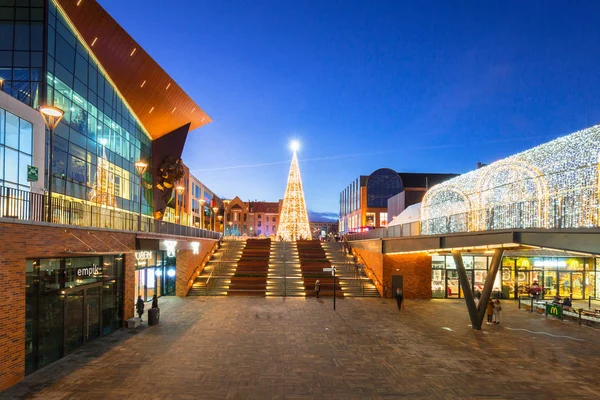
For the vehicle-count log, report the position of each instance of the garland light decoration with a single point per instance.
(293, 223)
(551, 186)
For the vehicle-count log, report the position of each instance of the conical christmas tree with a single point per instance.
(293, 221)
(103, 190)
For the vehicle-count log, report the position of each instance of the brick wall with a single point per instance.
(415, 270)
(374, 261)
(186, 264)
(26, 241)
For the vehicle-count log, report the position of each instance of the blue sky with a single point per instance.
(414, 86)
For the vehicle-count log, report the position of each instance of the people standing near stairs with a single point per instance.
(317, 287)
(399, 297)
(154, 301)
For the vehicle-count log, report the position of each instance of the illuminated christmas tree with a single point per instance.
(103, 190)
(293, 222)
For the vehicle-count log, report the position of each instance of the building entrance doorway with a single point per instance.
(83, 317)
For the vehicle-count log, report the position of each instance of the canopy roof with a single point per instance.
(153, 96)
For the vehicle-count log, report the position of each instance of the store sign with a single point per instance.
(549, 263)
(195, 247)
(87, 272)
(555, 310)
(170, 244)
(143, 255)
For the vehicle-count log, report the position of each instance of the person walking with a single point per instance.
(317, 287)
(139, 306)
(154, 301)
(497, 309)
(489, 310)
(399, 298)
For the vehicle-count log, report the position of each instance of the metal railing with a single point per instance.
(24, 205)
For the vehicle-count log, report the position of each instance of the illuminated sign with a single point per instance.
(143, 255)
(170, 244)
(88, 271)
(555, 310)
(195, 247)
(549, 263)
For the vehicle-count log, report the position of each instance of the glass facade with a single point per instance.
(21, 49)
(16, 148)
(97, 125)
(564, 276)
(69, 302)
(382, 184)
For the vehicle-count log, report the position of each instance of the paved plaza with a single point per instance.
(297, 348)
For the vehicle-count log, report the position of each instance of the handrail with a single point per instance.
(361, 260)
(202, 264)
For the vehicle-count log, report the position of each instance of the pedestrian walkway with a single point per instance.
(299, 348)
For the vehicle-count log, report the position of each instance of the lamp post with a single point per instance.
(202, 202)
(230, 224)
(141, 166)
(215, 209)
(52, 117)
(180, 189)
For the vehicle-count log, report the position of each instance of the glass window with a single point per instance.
(11, 158)
(381, 185)
(25, 136)
(24, 161)
(6, 35)
(21, 36)
(11, 137)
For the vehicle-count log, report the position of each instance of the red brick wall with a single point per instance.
(415, 270)
(374, 261)
(186, 264)
(23, 241)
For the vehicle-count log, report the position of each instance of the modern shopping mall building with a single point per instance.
(71, 272)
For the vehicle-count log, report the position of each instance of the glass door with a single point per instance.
(577, 285)
(73, 320)
(92, 310)
(550, 284)
(452, 283)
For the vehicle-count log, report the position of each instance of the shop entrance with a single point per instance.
(83, 317)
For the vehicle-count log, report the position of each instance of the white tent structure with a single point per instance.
(409, 215)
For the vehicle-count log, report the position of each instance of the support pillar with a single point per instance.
(477, 313)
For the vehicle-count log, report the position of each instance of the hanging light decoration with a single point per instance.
(553, 185)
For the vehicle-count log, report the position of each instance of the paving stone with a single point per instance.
(299, 348)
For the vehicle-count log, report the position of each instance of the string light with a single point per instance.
(553, 185)
(293, 223)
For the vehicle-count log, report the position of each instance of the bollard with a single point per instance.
(531, 309)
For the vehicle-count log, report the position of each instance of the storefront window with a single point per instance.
(65, 309)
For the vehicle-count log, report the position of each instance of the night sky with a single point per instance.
(430, 87)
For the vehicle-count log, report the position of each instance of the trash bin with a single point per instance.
(153, 316)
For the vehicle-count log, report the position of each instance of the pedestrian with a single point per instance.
(489, 310)
(317, 287)
(497, 309)
(154, 301)
(477, 299)
(139, 306)
(399, 297)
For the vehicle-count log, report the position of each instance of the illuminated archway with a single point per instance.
(445, 208)
(510, 194)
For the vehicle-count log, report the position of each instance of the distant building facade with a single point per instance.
(364, 203)
(317, 228)
(252, 218)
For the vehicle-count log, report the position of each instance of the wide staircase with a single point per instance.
(313, 262)
(250, 275)
(262, 267)
(353, 281)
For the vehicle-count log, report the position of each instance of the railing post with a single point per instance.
(531, 309)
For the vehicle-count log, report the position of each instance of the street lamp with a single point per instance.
(215, 209)
(180, 189)
(141, 166)
(52, 117)
(202, 202)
